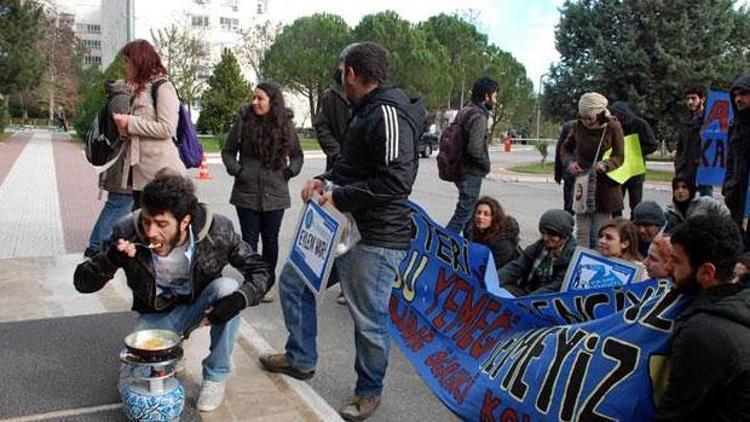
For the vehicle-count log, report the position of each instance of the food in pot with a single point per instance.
(155, 343)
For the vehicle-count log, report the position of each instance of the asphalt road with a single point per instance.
(406, 397)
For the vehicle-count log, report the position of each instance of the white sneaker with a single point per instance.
(211, 397)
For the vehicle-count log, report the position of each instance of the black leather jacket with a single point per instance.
(216, 244)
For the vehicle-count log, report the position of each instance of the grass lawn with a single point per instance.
(536, 168)
(4, 136)
(213, 144)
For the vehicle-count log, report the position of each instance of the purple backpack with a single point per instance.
(186, 140)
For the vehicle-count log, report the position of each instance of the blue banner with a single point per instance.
(584, 355)
(714, 141)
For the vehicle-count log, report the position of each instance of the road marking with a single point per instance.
(64, 413)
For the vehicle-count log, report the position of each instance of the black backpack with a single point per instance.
(103, 141)
(452, 145)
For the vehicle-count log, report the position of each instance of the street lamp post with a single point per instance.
(539, 104)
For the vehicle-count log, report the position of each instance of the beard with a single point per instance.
(690, 285)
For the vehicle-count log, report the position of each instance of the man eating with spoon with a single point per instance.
(173, 251)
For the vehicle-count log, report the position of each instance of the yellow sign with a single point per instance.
(632, 164)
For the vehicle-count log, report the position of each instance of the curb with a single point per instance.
(511, 177)
(312, 399)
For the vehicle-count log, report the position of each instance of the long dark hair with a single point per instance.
(271, 134)
(145, 60)
(501, 223)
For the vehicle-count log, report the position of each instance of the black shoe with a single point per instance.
(279, 363)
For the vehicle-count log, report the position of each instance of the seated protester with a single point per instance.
(618, 239)
(649, 219)
(741, 267)
(709, 368)
(173, 251)
(492, 228)
(659, 258)
(685, 204)
(542, 265)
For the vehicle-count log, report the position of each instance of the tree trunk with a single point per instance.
(311, 101)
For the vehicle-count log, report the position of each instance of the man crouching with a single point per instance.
(173, 252)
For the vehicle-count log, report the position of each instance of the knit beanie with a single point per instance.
(557, 221)
(592, 103)
(649, 213)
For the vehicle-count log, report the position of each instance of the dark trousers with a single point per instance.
(266, 225)
(468, 192)
(633, 188)
(568, 183)
(136, 199)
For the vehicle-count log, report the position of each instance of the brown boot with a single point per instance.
(360, 408)
(280, 364)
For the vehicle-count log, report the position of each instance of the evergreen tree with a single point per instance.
(645, 52)
(227, 90)
(93, 92)
(22, 30)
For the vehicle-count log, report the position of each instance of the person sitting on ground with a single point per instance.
(173, 251)
(685, 204)
(618, 238)
(649, 219)
(742, 266)
(659, 258)
(709, 376)
(542, 265)
(494, 229)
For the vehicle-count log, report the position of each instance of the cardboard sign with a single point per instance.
(590, 270)
(714, 139)
(312, 252)
(632, 164)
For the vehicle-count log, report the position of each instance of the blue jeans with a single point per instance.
(366, 274)
(117, 206)
(468, 192)
(217, 365)
(263, 224)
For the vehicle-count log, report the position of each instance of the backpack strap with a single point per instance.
(155, 89)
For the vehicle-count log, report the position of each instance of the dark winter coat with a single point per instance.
(738, 158)
(560, 170)
(119, 102)
(581, 146)
(709, 372)
(505, 246)
(476, 154)
(257, 187)
(688, 147)
(330, 123)
(515, 275)
(378, 166)
(216, 245)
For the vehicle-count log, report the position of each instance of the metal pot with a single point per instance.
(153, 343)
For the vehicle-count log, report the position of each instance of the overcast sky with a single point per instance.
(524, 28)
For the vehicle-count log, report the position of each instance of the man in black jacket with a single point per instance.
(709, 369)
(738, 167)
(632, 124)
(330, 121)
(561, 173)
(688, 146)
(372, 180)
(173, 252)
(476, 155)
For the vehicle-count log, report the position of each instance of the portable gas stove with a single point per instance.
(148, 387)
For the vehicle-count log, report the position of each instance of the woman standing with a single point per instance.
(595, 132)
(149, 127)
(263, 136)
(494, 229)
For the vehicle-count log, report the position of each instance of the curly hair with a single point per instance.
(482, 87)
(500, 224)
(145, 60)
(628, 233)
(169, 192)
(369, 61)
(271, 134)
(715, 240)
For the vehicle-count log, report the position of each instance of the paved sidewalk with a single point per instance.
(48, 204)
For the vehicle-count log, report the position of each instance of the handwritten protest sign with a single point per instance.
(566, 356)
(714, 139)
(317, 235)
(588, 269)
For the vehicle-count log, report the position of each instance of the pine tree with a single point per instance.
(227, 90)
(646, 52)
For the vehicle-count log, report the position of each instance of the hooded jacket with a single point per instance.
(476, 153)
(709, 375)
(701, 205)
(688, 147)
(738, 158)
(634, 124)
(330, 123)
(216, 244)
(518, 275)
(119, 96)
(378, 166)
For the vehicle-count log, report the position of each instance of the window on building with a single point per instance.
(199, 20)
(88, 28)
(92, 44)
(229, 24)
(260, 8)
(92, 60)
